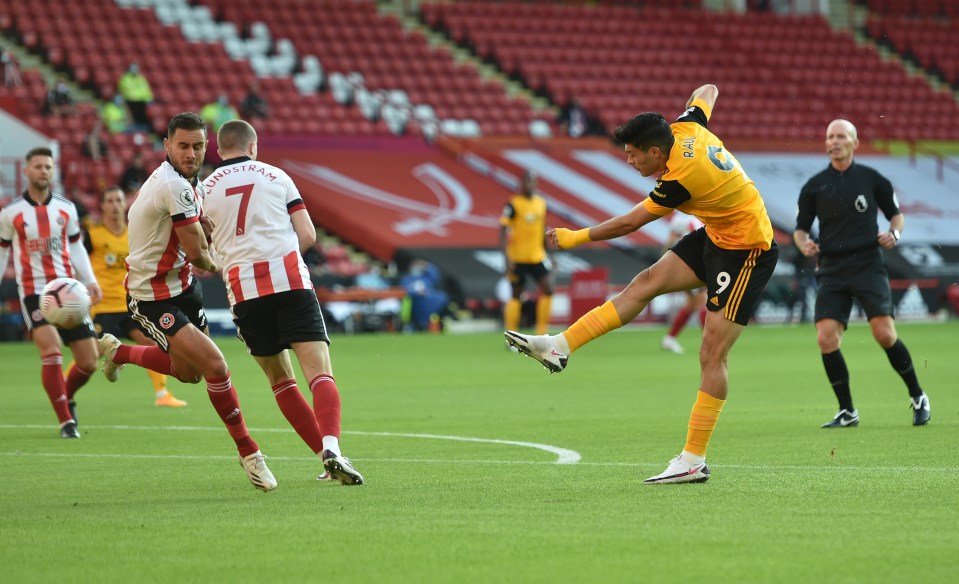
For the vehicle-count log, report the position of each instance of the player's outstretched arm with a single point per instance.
(610, 229)
(707, 93)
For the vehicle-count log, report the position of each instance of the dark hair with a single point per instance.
(109, 189)
(38, 151)
(235, 135)
(645, 131)
(185, 121)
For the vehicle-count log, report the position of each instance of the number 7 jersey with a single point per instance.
(250, 203)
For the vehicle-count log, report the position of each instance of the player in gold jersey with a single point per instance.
(733, 256)
(523, 241)
(107, 245)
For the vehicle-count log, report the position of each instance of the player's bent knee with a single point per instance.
(87, 364)
(709, 357)
(216, 370)
(640, 290)
(186, 374)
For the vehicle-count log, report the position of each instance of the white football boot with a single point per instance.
(680, 471)
(672, 345)
(258, 472)
(108, 348)
(339, 468)
(543, 348)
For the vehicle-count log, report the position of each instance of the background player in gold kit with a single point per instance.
(522, 239)
(107, 244)
(733, 256)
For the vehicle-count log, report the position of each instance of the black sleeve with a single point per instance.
(87, 242)
(886, 197)
(807, 208)
(694, 114)
(670, 193)
(508, 211)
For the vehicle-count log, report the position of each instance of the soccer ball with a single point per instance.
(65, 303)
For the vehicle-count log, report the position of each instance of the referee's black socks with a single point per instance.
(901, 361)
(838, 375)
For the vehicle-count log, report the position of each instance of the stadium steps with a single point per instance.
(28, 61)
(851, 17)
(341, 258)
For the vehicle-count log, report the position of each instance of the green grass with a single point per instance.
(152, 495)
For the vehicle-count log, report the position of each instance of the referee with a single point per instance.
(845, 197)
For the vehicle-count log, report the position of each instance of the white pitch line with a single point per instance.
(308, 459)
(563, 455)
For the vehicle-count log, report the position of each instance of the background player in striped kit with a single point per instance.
(107, 244)
(44, 232)
(262, 227)
(168, 237)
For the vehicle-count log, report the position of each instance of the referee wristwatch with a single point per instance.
(895, 234)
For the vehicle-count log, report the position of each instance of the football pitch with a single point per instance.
(481, 467)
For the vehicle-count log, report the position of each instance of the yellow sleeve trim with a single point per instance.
(703, 106)
(655, 208)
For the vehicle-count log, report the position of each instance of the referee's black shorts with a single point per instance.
(269, 324)
(861, 276)
(735, 278)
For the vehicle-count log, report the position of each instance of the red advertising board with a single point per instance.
(587, 290)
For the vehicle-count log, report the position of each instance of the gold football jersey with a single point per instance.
(705, 180)
(525, 217)
(108, 254)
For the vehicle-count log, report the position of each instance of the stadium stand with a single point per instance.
(397, 65)
(925, 32)
(95, 41)
(333, 71)
(783, 76)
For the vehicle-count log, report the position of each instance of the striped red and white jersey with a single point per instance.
(250, 204)
(40, 238)
(157, 265)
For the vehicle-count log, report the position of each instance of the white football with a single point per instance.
(65, 303)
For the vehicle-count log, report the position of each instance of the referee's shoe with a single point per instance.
(844, 419)
(920, 410)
